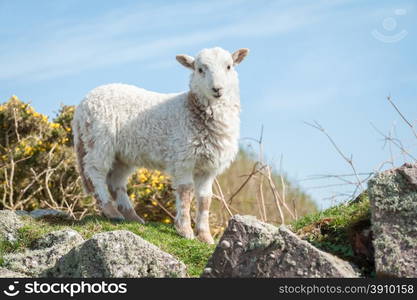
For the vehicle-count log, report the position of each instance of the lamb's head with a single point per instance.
(213, 74)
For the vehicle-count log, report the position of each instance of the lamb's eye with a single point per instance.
(200, 70)
(228, 67)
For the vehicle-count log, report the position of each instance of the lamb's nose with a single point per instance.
(216, 89)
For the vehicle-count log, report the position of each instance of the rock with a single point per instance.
(5, 273)
(393, 197)
(40, 213)
(67, 237)
(10, 223)
(117, 254)
(257, 249)
(45, 253)
(23, 213)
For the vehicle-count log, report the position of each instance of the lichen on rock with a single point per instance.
(46, 252)
(117, 253)
(257, 249)
(393, 196)
(10, 222)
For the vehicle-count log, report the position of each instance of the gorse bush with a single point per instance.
(36, 160)
(38, 170)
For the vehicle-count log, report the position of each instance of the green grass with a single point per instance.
(193, 253)
(341, 215)
(330, 230)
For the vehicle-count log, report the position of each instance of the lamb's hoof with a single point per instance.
(136, 219)
(205, 237)
(130, 215)
(111, 212)
(140, 220)
(117, 219)
(185, 231)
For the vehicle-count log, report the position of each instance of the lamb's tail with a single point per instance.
(80, 151)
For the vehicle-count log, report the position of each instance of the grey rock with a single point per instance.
(39, 213)
(22, 213)
(118, 253)
(10, 223)
(5, 273)
(262, 250)
(393, 197)
(66, 237)
(45, 253)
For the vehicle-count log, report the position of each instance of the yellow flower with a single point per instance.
(44, 118)
(144, 171)
(2, 108)
(154, 203)
(55, 125)
(36, 114)
(133, 196)
(167, 221)
(28, 150)
(148, 191)
(68, 129)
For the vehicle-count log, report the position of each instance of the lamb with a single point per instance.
(192, 136)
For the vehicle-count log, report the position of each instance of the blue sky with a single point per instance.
(330, 61)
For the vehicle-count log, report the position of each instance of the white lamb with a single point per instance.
(192, 136)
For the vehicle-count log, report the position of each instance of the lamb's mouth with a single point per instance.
(218, 95)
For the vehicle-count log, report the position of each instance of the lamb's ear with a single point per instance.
(186, 60)
(239, 55)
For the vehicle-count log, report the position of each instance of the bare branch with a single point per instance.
(403, 117)
(216, 182)
(396, 142)
(349, 160)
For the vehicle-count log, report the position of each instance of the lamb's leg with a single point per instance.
(203, 186)
(184, 195)
(96, 174)
(116, 181)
